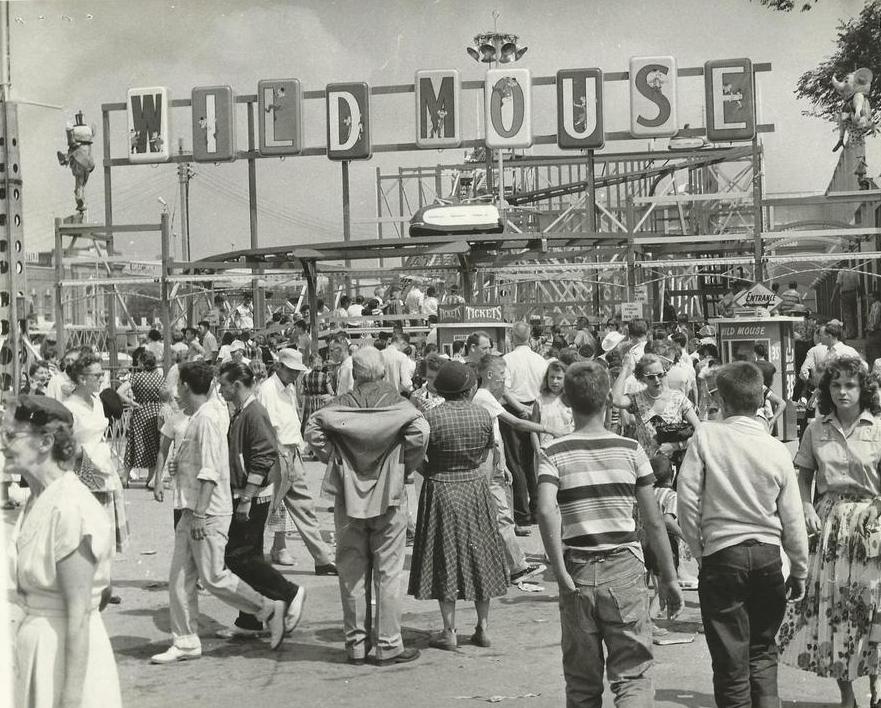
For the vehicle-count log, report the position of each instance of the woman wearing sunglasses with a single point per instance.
(61, 551)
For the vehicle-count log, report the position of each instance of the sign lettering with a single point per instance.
(508, 108)
(580, 109)
(437, 109)
(214, 134)
(348, 121)
(653, 96)
(148, 129)
(730, 97)
(280, 107)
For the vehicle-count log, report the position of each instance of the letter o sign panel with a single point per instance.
(508, 108)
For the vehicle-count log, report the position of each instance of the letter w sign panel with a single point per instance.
(148, 128)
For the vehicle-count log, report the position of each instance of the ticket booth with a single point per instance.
(738, 335)
(456, 322)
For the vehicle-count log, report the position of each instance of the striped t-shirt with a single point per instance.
(596, 477)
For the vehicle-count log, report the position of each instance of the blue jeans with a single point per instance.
(743, 598)
(610, 606)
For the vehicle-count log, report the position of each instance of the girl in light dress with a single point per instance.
(550, 409)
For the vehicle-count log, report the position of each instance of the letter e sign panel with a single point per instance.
(280, 107)
(149, 134)
(508, 108)
(348, 121)
(731, 105)
(214, 124)
(653, 97)
(437, 109)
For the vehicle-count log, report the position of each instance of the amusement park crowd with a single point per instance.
(628, 447)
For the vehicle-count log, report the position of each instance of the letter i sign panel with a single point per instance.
(214, 125)
(149, 131)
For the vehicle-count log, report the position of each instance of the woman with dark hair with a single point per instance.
(38, 378)
(142, 443)
(61, 550)
(458, 553)
(836, 629)
(549, 408)
(94, 466)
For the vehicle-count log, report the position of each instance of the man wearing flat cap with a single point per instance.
(371, 440)
(279, 397)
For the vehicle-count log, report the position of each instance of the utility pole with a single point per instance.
(184, 175)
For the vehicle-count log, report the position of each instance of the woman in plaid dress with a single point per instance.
(457, 553)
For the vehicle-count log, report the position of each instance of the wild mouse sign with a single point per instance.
(508, 110)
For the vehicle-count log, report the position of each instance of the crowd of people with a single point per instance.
(630, 448)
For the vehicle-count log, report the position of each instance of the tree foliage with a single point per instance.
(788, 5)
(859, 44)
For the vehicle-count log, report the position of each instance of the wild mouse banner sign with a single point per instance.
(508, 111)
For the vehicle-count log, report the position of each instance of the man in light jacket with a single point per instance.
(371, 440)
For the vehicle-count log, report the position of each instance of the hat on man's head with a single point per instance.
(291, 359)
(611, 340)
(39, 410)
(453, 378)
(237, 345)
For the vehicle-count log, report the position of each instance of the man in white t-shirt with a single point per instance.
(491, 373)
(398, 366)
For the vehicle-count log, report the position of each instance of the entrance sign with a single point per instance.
(148, 128)
(580, 109)
(214, 126)
(280, 107)
(437, 109)
(730, 97)
(348, 121)
(758, 296)
(508, 108)
(653, 84)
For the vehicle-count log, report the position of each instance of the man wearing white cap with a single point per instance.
(278, 396)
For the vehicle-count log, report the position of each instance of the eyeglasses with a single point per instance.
(655, 377)
(94, 373)
(7, 436)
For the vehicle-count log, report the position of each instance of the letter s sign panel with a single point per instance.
(730, 95)
(508, 108)
(149, 138)
(348, 121)
(653, 97)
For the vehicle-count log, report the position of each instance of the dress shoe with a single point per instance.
(174, 654)
(276, 624)
(405, 657)
(294, 611)
(446, 640)
(479, 637)
(281, 557)
(522, 531)
(356, 660)
(240, 633)
(327, 569)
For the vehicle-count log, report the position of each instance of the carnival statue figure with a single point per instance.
(79, 157)
(856, 110)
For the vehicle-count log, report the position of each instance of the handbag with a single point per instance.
(671, 432)
(89, 474)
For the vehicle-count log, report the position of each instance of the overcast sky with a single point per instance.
(83, 53)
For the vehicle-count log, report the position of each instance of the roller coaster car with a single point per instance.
(444, 219)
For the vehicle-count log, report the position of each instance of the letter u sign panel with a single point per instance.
(653, 97)
(580, 109)
(149, 138)
(214, 125)
(348, 121)
(508, 108)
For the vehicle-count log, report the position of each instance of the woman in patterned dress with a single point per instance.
(315, 387)
(60, 553)
(142, 444)
(457, 553)
(836, 629)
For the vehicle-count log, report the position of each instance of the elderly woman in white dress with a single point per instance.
(61, 550)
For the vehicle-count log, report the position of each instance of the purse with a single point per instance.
(671, 432)
(89, 474)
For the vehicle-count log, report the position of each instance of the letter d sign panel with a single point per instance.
(348, 121)
(731, 106)
(148, 128)
(653, 97)
(280, 107)
(214, 125)
(508, 108)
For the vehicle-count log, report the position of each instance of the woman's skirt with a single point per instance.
(114, 504)
(142, 446)
(827, 633)
(39, 664)
(458, 553)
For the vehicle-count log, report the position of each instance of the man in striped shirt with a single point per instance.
(588, 484)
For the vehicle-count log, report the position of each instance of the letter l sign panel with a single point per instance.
(280, 121)
(348, 121)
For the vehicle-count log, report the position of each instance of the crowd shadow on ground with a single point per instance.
(693, 699)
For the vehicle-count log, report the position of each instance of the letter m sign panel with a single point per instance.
(437, 109)
(149, 134)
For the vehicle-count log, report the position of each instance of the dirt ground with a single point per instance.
(522, 668)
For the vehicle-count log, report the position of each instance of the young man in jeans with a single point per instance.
(588, 484)
(738, 503)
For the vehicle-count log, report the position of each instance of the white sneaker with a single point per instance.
(295, 611)
(276, 623)
(240, 633)
(174, 654)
